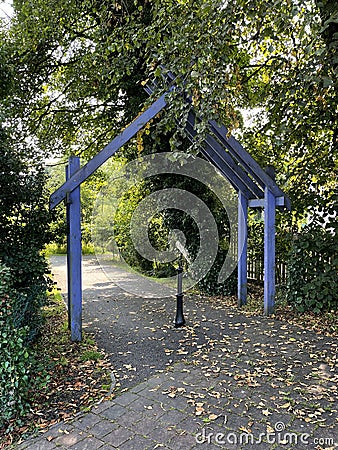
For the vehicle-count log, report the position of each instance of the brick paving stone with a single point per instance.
(89, 443)
(258, 427)
(173, 417)
(126, 399)
(137, 443)
(234, 422)
(97, 409)
(38, 445)
(59, 428)
(140, 405)
(325, 438)
(102, 428)
(191, 425)
(165, 386)
(277, 417)
(118, 436)
(162, 434)
(128, 418)
(157, 410)
(70, 439)
(183, 441)
(113, 412)
(209, 438)
(87, 421)
(139, 388)
(144, 426)
(178, 402)
(266, 446)
(211, 446)
(151, 396)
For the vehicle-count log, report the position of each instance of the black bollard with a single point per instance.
(179, 320)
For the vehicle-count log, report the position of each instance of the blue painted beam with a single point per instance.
(259, 203)
(241, 157)
(74, 257)
(68, 265)
(242, 160)
(269, 251)
(233, 169)
(214, 152)
(217, 161)
(242, 248)
(82, 174)
(247, 161)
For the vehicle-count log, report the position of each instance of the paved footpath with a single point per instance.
(226, 380)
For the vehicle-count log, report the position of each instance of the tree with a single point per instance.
(24, 215)
(24, 230)
(80, 66)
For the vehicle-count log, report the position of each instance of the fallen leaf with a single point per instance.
(286, 405)
(213, 416)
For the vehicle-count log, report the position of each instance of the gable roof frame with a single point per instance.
(254, 186)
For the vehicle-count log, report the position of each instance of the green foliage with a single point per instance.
(17, 365)
(313, 266)
(77, 67)
(91, 355)
(210, 285)
(24, 219)
(81, 63)
(121, 228)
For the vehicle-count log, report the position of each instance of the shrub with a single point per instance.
(15, 358)
(24, 230)
(210, 285)
(312, 268)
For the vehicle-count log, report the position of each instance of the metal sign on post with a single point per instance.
(179, 320)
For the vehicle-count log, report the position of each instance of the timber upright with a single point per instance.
(74, 254)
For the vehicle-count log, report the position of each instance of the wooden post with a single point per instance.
(269, 251)
(74, 255)
(242, 248)
(68, 265)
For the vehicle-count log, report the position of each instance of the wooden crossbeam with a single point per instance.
(230, 157)
(247, 161)
(215, 153)
(108, 151)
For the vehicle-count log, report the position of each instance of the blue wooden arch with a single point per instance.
(255, 187)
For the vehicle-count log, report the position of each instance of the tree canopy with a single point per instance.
(78, 66)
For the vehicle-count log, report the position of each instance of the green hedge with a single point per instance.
(312, 268)
(17, 364)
